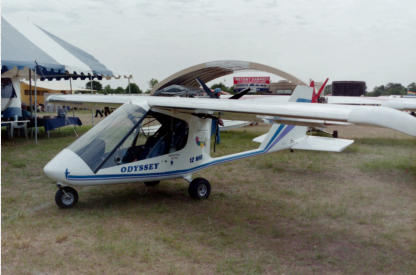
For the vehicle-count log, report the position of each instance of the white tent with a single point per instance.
(29, 51)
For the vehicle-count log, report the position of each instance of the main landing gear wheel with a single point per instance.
(66, 197)
(199, 189)
(151, 183)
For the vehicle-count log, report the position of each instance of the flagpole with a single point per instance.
(36, 109)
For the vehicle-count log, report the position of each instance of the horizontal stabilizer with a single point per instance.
(322, 144)
(260, 139)
(233, 124)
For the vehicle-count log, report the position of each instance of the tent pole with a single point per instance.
(92, 109)
(70, 87)
(30, 91)
(36, 112)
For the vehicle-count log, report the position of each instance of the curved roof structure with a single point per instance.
(211, 70)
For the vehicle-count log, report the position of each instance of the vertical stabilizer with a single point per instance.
(281, 136)
(301, 94)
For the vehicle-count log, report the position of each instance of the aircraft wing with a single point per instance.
(407, 104)
(81, 100)
(297, 112)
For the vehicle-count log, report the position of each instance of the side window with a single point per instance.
(157, 135)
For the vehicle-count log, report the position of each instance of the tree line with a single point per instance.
(392, 89)
(130, 88)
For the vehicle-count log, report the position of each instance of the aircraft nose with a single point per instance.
(54, 169)
(64, 164)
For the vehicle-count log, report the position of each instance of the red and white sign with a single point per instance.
(251, 80)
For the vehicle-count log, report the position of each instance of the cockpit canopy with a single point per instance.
(130, 134)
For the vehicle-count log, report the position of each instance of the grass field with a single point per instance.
(301, 212)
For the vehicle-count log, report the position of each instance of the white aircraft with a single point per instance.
(399, 103)
(117, 150)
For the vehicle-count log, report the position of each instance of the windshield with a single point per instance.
(155, 135)
(96, 145)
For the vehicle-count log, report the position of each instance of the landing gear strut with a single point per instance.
(199, 189)
(66, 197)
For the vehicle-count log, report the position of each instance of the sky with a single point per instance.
(372, 41)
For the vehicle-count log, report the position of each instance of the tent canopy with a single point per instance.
(26, 46)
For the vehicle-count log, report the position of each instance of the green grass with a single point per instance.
(406, 164)
(294, 213)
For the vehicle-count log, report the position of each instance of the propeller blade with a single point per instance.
(240, 94)
(205, 87)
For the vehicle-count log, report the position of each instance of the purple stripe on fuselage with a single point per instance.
(282, 135)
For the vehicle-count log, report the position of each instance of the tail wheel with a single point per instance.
(199, 189)
(66, 197)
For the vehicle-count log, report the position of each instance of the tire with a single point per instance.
(66, 197)
(199, 189)
(151, 183)
(335, 134)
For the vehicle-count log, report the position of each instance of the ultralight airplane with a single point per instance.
(119, 150)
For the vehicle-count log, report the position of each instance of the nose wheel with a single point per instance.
(66, 197)
(199, 189)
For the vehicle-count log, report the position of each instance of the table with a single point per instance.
(57, 122)
(15, 124)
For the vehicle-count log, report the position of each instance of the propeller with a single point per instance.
(206, 89)
(240, 94)
(218, 120)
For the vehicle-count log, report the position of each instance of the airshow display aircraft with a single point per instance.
(118, 149)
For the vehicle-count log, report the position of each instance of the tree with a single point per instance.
(107, 90)
(221, 86)
(395, 89)
(388, 89)
(119, 90)
(134, 89)
(96, 86)
(377, 91)
(153, 82)
(411, 87)
(328, 89)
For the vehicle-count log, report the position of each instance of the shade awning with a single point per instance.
(26, 46)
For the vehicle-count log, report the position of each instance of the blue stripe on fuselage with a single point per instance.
(269, 145)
